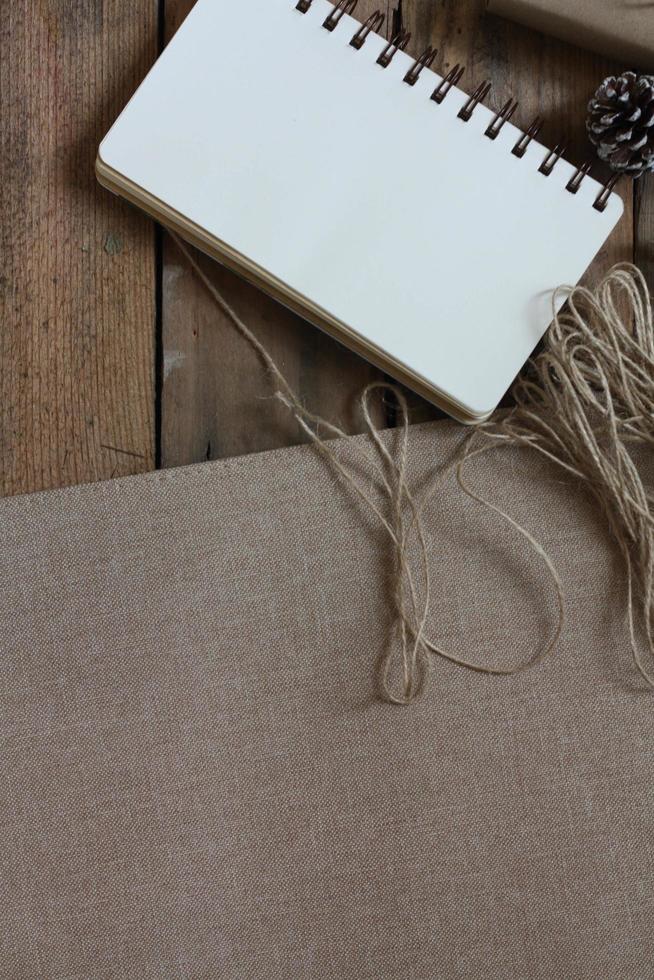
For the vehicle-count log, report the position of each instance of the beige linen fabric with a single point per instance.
(196, 779)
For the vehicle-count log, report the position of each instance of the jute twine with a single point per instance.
(582, 402)
(585, 402)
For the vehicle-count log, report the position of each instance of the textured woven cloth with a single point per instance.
(196, 776)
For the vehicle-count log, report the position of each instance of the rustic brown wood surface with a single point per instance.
(112, 357)
(77, 270)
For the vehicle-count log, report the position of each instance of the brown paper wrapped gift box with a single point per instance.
(198, 781)
(620, 29)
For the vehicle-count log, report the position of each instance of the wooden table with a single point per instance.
(113, 359)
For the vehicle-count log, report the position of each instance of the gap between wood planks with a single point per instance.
(159, 268)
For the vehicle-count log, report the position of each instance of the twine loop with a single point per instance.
(583, 401)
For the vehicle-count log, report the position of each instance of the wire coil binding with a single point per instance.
(576, 180)
(424, 61)
(602, 198)
(374, 23)
(452, 78)
(501, 117)
(552, 158)
(339, 11)
(520, 148)
(480, 93)
(400, 42)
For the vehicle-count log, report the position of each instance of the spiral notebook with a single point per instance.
(272, 136)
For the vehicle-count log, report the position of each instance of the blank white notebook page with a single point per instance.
(333, 177)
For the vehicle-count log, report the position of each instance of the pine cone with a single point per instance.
(621, 122)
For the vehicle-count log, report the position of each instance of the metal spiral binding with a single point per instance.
(424, 61)
(552, 158)
(602, 198)
(575, 181)
(452, 78)
(374, 24)
(520, 148)
(501, 117)
(479, 93)
(339, 11)
(399, 43)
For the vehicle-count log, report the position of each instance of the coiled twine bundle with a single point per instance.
(585, 402)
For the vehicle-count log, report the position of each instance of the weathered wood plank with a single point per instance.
(216, 397)
(77, 285)
(644, 227)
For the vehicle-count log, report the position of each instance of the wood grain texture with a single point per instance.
(77, 266)
(216, 397)
(77, 285)
(644, 227)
